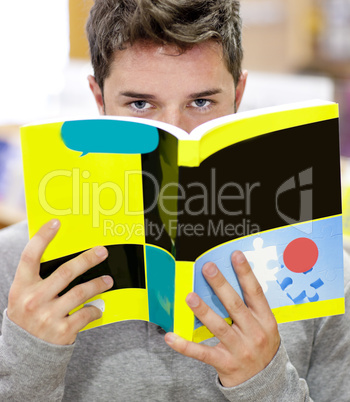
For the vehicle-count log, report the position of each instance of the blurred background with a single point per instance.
(294, 50)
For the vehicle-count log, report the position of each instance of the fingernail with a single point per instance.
(54, 224)
(99, 303)
(171, 338)
(240, 257)
(107, 280)
(210, 269)
(192, 300)
(100, 251)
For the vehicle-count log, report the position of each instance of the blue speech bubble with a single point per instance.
(109, 137)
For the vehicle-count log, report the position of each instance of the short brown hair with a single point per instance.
(114, 24)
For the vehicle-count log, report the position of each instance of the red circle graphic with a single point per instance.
(300, 255)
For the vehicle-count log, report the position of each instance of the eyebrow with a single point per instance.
(204, 94)
(131, 94)
(195, 95)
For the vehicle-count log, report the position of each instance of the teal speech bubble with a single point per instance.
(109, 137)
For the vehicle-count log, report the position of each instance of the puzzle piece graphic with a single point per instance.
(300, 287)
(331, 248)
(328, 232)
(323, 281)
(265, 251)
(264, 262)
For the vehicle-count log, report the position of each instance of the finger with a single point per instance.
(216, 324)
(230, 299)
(203, 353)
(81, 293)
(81, 318)
(71, 269)
(253, 293)
(29, 265)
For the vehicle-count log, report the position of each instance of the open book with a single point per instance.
(165, 202)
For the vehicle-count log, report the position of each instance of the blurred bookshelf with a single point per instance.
(12, 205)
(304, 38)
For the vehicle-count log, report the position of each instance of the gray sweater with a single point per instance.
(130, 361)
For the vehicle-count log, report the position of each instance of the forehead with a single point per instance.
(142, 62)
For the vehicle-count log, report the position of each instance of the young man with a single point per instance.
(177, 62)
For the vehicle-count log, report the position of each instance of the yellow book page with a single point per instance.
(97, 203)
(192, 153)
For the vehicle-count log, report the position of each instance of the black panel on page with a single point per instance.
(274, 180)
(125, 263)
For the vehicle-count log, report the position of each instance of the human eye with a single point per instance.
(140, 106)
(202, 104)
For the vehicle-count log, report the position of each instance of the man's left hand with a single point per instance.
(248, 345)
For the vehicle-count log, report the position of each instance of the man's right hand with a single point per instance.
(34, 304)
